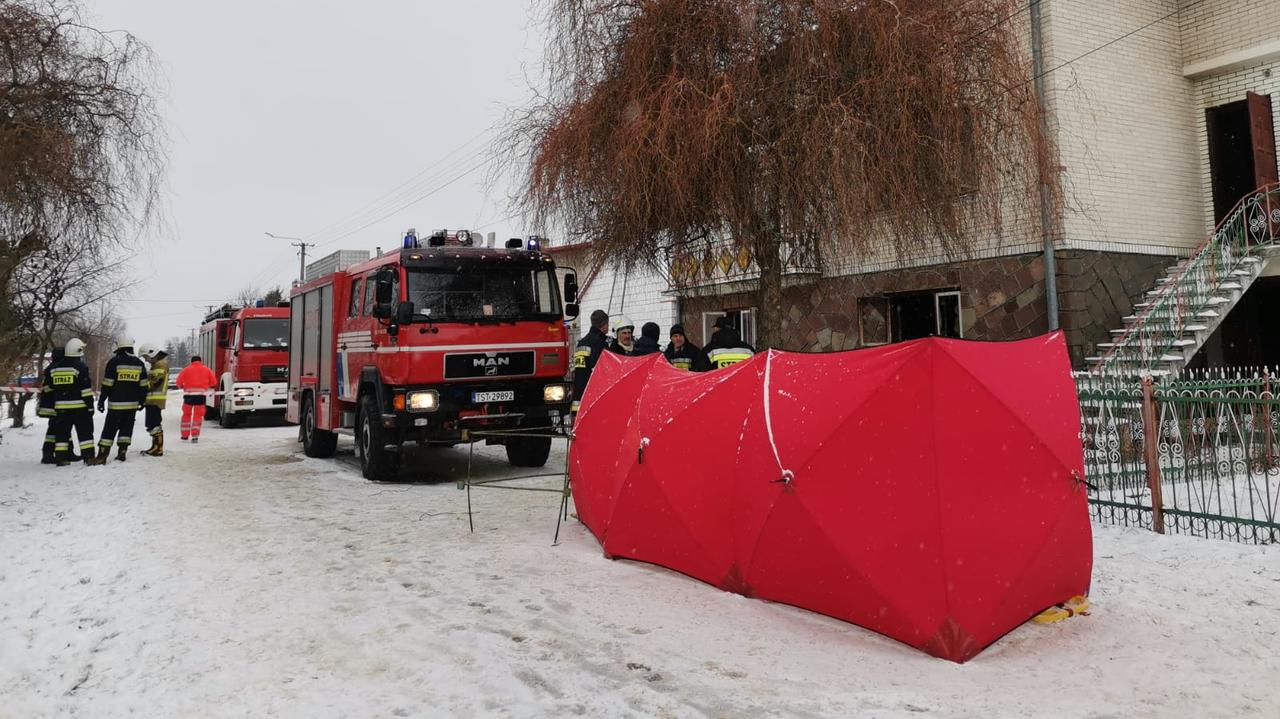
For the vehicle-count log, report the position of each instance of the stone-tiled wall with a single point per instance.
(1096, 290)
(1001, 299)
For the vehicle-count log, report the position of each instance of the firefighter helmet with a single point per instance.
(74, 348)
(125, 344)
(144, 350)
(622, 322)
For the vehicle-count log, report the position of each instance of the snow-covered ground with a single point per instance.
(238, 578)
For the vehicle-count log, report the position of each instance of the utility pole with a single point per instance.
(302, 252)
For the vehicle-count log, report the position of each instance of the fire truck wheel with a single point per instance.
(528, 451)
(315, 442)
(230, 420)
(376, 463)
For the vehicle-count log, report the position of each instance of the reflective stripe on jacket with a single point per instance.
(197, 379)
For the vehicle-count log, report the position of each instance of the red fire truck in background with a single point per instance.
(428, 344)
(248, 350)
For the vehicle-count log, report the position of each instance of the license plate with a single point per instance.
(485, 397)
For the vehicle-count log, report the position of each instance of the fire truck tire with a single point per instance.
(316, 442)
(230, 420)
(528, 451)
(376, 463)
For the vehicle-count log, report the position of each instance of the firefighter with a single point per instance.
(123, 391)
(726, 347)
(196, 382)
(683, 354)
(648, 342)
(585, 356)
(72, 392)
(157, 392)
(623, 336)
(45, 409)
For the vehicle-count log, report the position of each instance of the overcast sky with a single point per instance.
(291, 116)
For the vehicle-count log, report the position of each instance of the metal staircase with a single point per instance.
(1189, 303)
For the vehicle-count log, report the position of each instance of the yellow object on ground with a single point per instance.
(1058, 612)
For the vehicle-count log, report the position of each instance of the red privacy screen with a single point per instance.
(930, 491)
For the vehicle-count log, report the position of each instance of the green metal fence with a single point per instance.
(1197, 455)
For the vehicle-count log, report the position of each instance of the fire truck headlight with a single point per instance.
(556, 393)
(243, 392)
(425, 401)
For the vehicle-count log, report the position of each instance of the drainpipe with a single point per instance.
(1046, 215)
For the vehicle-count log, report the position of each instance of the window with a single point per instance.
(743, 321)
(266, 333)
(873, 320)
(354, 309)
(482, 293)
(369, 286)
(933, 313)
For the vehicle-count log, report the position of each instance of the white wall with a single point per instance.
(637, 294)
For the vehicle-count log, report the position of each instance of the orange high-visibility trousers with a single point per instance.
(192, 418)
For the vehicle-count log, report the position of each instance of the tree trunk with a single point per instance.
(18, 410)
(769, 311)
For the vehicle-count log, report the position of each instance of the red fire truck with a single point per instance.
(429, 344)
(248, 350)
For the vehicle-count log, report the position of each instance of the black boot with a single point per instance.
(88, 457)
(121, 452)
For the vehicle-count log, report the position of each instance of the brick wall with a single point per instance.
(1126, 127)
(1217, 27)
(638, 293)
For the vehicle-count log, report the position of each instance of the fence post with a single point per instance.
(1269, 435)
(1151, 452)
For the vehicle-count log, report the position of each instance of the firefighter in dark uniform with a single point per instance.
(683, 354)
(72, 392)
(45, 409)
(592, 344)
(726, 347)
(124, 388)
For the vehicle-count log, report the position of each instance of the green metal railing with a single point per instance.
(1179, 304)
(1194, 456)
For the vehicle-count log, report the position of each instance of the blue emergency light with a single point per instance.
(411, 239)
(535, 243)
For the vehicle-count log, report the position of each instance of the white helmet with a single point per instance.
(125, 344)
(145, 350)
(74, 348)
(622, 322)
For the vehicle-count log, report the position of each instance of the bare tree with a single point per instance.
(81, 153)
(780, 125)
(246, 296)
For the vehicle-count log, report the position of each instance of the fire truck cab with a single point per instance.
(248, 350)
(428, 344)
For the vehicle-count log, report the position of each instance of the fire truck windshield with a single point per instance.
(477, 294)
(266, 333)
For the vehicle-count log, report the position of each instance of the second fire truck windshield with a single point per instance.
(266, 333)
(483, 293)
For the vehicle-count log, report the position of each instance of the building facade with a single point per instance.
(1159, 133)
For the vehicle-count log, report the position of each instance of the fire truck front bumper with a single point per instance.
(258, 397)
(476, 407)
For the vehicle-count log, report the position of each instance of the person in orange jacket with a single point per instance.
(197, 382)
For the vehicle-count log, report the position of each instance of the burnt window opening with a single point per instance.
(934, 313)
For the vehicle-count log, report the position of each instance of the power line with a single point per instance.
(389, 193)
(407, 205)
(1109, 43)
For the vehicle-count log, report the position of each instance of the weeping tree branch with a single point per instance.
(909, 125)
